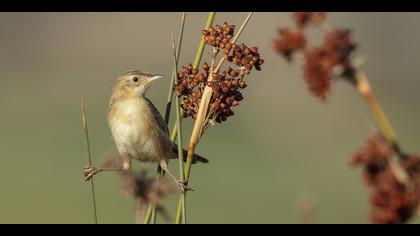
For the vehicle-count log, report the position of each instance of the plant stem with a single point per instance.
(365, 90)
(203, 107)
(92, 183)
(180, 144)
(151, 210)
(148, 215)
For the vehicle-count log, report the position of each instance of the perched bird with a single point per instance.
(138, 129)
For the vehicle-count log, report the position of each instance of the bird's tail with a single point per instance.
(196, 158)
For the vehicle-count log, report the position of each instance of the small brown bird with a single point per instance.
(137, 127)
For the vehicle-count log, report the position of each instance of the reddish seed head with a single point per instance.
(289, 42)
(302, 19)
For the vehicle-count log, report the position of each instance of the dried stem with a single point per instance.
(364, 88)
(201, 115)
(92, 184)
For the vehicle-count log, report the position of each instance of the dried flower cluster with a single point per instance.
(322, 63)
(394, 202)
(227, 85)
(303, 19)
(146, 190)
(289, 42)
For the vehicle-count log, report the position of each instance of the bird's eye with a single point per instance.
(135, 79)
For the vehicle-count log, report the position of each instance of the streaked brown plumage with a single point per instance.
(137, 127)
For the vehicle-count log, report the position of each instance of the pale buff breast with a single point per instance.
(132, 129)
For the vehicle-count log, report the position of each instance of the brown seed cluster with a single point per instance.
(289, 42)
(303, 19)
(393, 202)
(322, 63)
(226, 85)
(219, 36)
(241, 55)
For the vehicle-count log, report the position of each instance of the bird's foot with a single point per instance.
(182, 186)
(90, 171)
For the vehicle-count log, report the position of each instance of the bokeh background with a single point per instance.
(282, 149)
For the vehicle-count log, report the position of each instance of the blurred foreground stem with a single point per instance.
(364, 88)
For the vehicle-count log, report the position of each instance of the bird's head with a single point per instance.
(134, 83)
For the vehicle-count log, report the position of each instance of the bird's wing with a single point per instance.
(158, 118)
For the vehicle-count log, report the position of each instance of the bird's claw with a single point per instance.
(89, 172)
(183, 187)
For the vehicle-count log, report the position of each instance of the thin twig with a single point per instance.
(92, 184)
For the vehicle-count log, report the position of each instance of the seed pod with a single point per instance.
(235, 103)
(218, 77)
(242, 84)
(216, 95)
(236, 60)
(227, 57)
(194, 71)
(229, 100)
(225, 89)
(247, 50)
(216, 106)
(210, 84)
(205, 66)
(181, 74)
(228, 46)
(205, 32)
(235, 83)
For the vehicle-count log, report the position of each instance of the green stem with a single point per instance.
(197, 60)
(151, 210)
(180, 149)
(92, 183)
(148, 215)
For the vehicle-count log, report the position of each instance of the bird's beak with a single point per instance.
(155, 77)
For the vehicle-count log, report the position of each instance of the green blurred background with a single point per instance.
(281, 146)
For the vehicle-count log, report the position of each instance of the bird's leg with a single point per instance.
(181, 184)
(90, 171)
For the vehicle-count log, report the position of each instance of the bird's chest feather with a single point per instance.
(132, 129)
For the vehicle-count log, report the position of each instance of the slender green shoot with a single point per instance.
(180, 144)
(151, 210)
